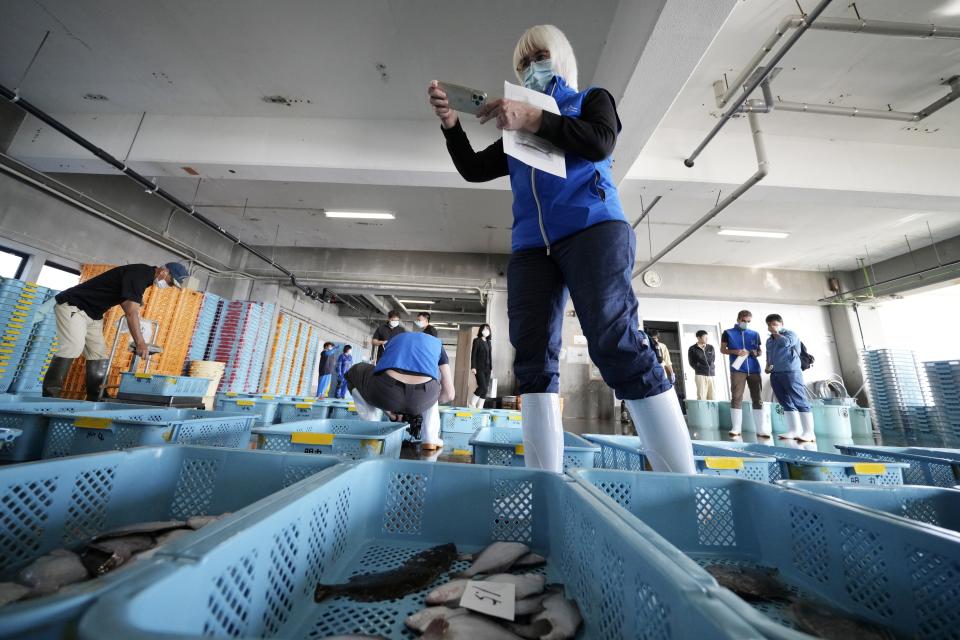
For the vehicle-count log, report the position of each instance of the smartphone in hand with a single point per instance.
(464, 99)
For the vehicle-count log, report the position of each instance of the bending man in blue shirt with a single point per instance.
(786, 377)
(410, 379)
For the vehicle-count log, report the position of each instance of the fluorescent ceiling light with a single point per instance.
(361, 215)
(753, 233)
(950, 8)
(447, 328)
(417, 301)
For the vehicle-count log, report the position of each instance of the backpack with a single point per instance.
(656, 350)
(806, 358)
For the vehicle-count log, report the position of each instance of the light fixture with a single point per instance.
(361, 215)
(447, 328)
(753, 233)
(417, 301)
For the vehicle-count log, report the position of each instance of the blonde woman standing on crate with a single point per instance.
(481, 366)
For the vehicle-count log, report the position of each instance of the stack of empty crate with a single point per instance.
(900, 399)
(19, 302)
(943, 376)
(260, 347)
(277, 350)
(293, 357)
(41, 345)
(235, 342)
(203, 330)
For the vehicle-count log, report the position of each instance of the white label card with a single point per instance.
(496, 599)
(526, 147)
(738, 361)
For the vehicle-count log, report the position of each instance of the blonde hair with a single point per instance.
(547, 36)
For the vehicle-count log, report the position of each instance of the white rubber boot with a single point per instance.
(762, 426)
(365, 410)
(663, 432)
(430, 434)
(542, 431)
(478, 402)
(736, 421)
(794, 430)
(808, 434)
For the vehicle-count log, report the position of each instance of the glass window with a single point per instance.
(11, 263)
(58, 277)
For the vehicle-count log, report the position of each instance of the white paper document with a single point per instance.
(526, 147)
(492, 598)
(739, 361)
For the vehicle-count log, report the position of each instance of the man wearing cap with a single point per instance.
(79, 311)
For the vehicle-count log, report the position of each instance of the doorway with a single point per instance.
(670, 336)
(721, 383)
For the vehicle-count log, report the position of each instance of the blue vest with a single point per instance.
(414, 353)
(548, 208)
(748, 339)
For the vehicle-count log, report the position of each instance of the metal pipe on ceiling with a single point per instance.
(646, 211)
(847, 25)
(150, 186)
(761, 172)
(758, 78)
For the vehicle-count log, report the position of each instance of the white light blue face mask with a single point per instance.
(161, 284)
(538, 75)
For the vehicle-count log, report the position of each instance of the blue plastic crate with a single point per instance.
(264, 410)
(933, 467)
(887, 570)
(352, 439)
(934, 506)
(156, 384)
(626, 453)
(463, 420)
(456, 443)
(293, 410)
(75, 498)
(801, 464)
(504, 417)
(372, 516)
(504, 446)
(96, 431)
(32, 419)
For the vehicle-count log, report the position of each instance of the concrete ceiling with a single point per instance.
(185, 83)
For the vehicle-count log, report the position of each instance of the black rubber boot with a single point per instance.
(56, 374)
(96, 372)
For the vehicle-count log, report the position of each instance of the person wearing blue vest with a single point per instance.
(410, 378)
(570, 238)
(742, 345)
(786, 378)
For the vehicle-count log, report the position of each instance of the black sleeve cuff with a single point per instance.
(549, 125)
(454, 132)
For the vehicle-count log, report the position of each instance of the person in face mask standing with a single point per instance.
(481, 366)
(386, 331)
(328, 364)
(423, 322)
(742, 344)
(786, 378)
(79, 311)
(570, 237)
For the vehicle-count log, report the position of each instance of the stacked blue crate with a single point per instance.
(203, 330)
(234, 342)
(260, 347)
(280, 342)
(41, 345)
(306, 381)
(943, 377)
(900, 399)
(289, 354)
(19, 302)
(299, 355)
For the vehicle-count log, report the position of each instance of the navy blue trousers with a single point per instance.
(594, 267)
(790, 391)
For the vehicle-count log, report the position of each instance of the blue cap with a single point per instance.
(177, 271)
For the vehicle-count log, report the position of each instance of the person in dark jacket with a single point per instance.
(391, 329)
(481, 365)
(344, 362)
(423, 322)
(328, 364)
(703, 358)
(570, 236)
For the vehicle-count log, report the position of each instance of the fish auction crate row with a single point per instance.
(932, 467)
(63, 503)
(886, 570)
(264, 410)
(503, 446)
(801, 464)
(95, 431)
(933, 506)
(156, 384)
(504, 417)
(32, 418)
(302, 409)
(626, 453)
(256, 578)
(351, 439)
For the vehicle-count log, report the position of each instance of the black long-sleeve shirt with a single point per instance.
(592, 136)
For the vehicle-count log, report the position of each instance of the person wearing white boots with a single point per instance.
(742, 345)
(786, 379)
(409, 380)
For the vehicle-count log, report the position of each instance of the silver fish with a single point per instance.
(532, 631)
(499, 556)
(826, 622)
(467, 627)
(155, 527)
(128, 545)
(450, 593)
(530, 560)
(162, 539)
(54, 570)
(528, 606)
(199, 522)
(563, 616)
(11, 592)
(420, 620)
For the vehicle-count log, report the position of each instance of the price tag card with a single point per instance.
(492, 598)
